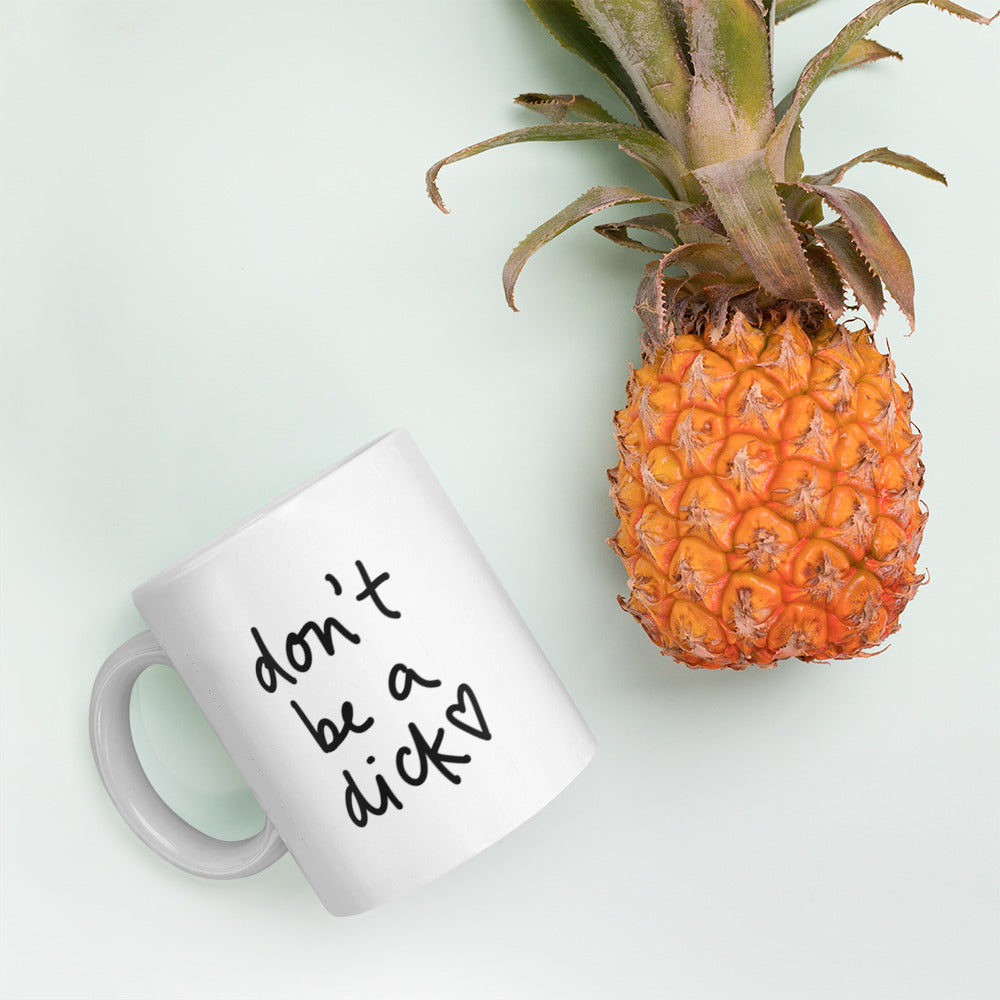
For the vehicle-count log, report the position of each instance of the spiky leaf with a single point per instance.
(794, 164)
(826, 278)
(653, 152)
(853, 268)
(660, 224)
(880, 155)
(700, 224)
(744, 198)
(827, 60)
(730, 110)
(664, 300)
(594, 200)
(801, 206)
(650, 304)
(861, 53)
(694, 258)
(786, 8)
(644, 40)
(560, 107)
(569, 27)
(876, 241)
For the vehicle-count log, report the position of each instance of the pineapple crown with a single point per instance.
(746, 224)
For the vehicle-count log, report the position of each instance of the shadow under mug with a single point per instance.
(370, 678)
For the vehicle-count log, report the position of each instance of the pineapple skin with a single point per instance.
(768, 492)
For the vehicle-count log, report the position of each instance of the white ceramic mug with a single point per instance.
(367, 673)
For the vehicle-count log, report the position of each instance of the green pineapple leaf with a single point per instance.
(744, 198)
(786, 8)
(826, 62)
(560, 107)
(877, 243)
(853, 268)
(880, 155)
(794, 164)
(569, 27)
(644, 39)
(652, 151)
(801, 206)
(730, 109)
(826, 278)
(660, 224)
(697, 258)
(861, 53)
(700, 224)
(715, 275)
(594, 200)
(651, 304)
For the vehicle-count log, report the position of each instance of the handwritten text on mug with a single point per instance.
(419, 755)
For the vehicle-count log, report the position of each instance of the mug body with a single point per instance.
(369, 676)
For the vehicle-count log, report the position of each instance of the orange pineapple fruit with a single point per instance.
(769, 474)
(768, 491)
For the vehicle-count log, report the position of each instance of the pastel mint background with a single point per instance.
(220, 273)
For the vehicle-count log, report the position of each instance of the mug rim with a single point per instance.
(206, 550)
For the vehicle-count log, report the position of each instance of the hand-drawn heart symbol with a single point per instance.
(455, 712)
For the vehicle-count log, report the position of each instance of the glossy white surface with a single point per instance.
(221, 272)
(367, 674)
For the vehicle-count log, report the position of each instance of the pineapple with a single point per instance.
(769, 473)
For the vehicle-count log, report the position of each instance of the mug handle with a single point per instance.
(153, 821)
